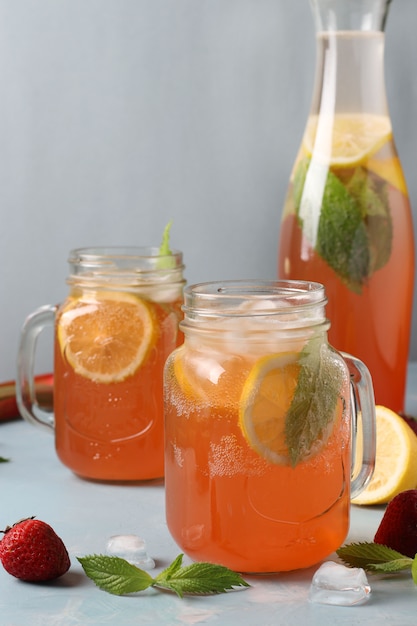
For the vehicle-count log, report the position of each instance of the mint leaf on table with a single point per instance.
(119, 577)
(313, 406)
(198, 578)
(375, 557)
(114, 574)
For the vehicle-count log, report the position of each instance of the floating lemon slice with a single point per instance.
(106, 337)
(348, 140)
(396, 459)
(264, 403)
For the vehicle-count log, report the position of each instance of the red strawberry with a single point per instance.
(398, 527)
(31, 550)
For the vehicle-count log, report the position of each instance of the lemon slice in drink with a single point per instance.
(390, 170)
(106, 337)
(354, 138)
(215, 381)
(264, 403)
(396, 459)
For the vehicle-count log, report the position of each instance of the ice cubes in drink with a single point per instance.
(268, 322)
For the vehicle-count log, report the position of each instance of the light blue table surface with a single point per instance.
(86, 514)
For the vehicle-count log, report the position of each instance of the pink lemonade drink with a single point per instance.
(113, 334)
(258, 429)
(110, 426)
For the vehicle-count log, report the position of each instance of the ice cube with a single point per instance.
(268, 324)
(131, 548)
(336, 584)
(164, 293)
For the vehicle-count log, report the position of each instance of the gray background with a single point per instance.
(117, 115)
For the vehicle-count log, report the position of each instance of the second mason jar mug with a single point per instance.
(260, 422)
(113, 334)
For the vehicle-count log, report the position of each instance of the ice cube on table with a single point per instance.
(131, 548)
(336, 584)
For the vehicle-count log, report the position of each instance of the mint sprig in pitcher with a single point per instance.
(347, 219)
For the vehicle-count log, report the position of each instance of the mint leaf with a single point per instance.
(332, 221)
(414, 570)
(348, 223)
(299, 182)
(314, 402)
(374, 557)
(201, 579)
(164, 248)
(119, 577)
(114, 574)
(392, 566)
(171, 569)
(342, 239)
(371, 193)
(3, 460)
(165, 261)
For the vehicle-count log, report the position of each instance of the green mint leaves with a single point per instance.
(164, 249)
(371, 194)
(348, 221)
(165, 261)
(314, 402)
(198, 578)
(377, 558)
(115, 575)
(119, 577)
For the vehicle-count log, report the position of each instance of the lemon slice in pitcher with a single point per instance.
(106, 337)
(354, 137)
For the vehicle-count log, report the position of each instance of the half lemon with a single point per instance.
(396, 459)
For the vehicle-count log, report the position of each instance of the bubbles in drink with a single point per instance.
(228, 458)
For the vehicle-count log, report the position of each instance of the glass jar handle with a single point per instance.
(25, 383)
(363, 405)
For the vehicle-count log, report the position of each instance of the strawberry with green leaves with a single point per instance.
(32, 551)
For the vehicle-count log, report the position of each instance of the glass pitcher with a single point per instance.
(258, 427)
(347, 220)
